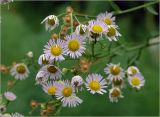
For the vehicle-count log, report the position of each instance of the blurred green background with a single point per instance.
(21, 32)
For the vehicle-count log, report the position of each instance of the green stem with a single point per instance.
(114, 5)
(77, 19)
(61, 14)
(135, 8)
(71, 22)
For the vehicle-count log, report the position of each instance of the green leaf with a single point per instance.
(152, 10)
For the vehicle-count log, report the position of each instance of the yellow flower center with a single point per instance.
(56, 50)
(74, 45)
(115, 93)
(115, 70)
(108, 21)
(52, 90)
(52, 69)
(94, 85)
(135, 81)
(134, 71)
(51, 21)
(97, 29)
(111, 32)
(67, 91)
(21, 69)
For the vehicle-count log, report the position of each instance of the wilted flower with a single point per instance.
(107, 18)
(10, 96)
(81, 30)
(77, 82)
(43, 59)
(51, 71)
(67, 95)
(2, 108)
(41, 77)
(20, 71)
(4, 69)
(114, 94)
(55, 50)
(51, 22)
(95, 84)
(112, 33)
(74, 46)
(136, 81)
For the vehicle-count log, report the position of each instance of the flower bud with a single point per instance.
(54, 36)
(30, 54)
(69, 9)
(67, 18)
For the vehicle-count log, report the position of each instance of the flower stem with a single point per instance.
(71, 22)
(135, 8)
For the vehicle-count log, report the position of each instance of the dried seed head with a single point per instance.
(75, 24)
(10, 83)
(50, 108)
(67, 18)
(62, 33)
(54, 36)
(65, 28)
(44, 113)
(4, 69)
(69, 9)
(34, 104)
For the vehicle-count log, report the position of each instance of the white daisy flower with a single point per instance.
(77, 82)
(17, 115)
(51, 71)
(74, 46)
(136, 81)
(96, 28)
(10, 96)
(114, 71)
(20, 71)
(132, 70)
(43, 59)
(67, 95)
(41, 77)
(51, 22)
(112, 33)
(107, 18)
(50, 87)
(81, 30)
(114, 94)
(95, 84)
(55, 50)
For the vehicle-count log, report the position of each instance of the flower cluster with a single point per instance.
(73, 45)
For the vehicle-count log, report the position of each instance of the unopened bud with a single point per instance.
(69, 9)
(55, 36)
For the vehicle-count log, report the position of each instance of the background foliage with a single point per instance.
(21, 32)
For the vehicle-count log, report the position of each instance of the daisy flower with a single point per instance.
(132, 70)
(77, 82)
(74, 46)
(50, 87)
(51, 22)
(43, 59)
(67, 95)
(81, 30)
(136, 81)
(51, 71)
(41, 77)
(54, 50)
(96, 28)
(10, 96)
(114, 94)
(107, 18)
(17, 115)
(95, 84)
(118, 83)
(112, 33)
(20, 71)
(114, 71)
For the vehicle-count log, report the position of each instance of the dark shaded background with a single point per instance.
(21, 32)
